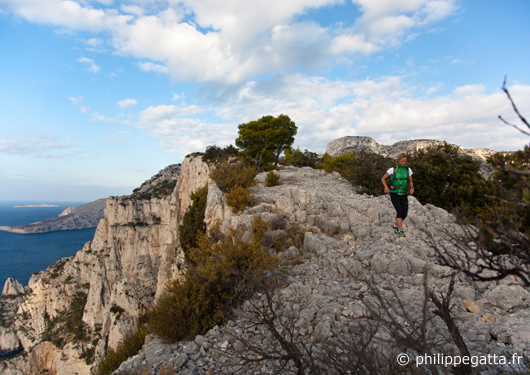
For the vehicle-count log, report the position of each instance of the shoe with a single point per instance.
(401, 233)
(396, 229)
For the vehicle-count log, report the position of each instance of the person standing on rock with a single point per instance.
(400, 184)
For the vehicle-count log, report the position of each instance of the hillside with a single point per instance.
(135, 255)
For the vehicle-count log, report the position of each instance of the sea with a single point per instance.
(21, 255)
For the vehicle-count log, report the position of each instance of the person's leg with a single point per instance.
(396, 202)
(404, 206)
(399, 223)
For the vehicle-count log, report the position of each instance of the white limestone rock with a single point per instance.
(12, 287)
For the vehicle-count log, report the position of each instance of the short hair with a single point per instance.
(401, 156)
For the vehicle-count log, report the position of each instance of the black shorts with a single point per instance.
(401, 204)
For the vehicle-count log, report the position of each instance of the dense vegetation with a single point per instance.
(220, 276)
(264, 140)
(445, 177)
(235, 181)
(297, 158)
(193, 220)
(129, 347)
(214, 153)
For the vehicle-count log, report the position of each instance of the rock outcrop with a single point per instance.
(357, 143)
(110, 283)
(74, 217)
(323, 286)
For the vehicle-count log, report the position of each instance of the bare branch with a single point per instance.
(514, 107)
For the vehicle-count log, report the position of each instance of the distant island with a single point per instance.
(74, 217)
(39, 205)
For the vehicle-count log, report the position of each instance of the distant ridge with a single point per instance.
(357, 143)
(74, 217)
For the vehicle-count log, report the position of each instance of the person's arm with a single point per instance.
(383, 180)
(411, 185)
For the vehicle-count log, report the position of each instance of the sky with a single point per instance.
(99, 95)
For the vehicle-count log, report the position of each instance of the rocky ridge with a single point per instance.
(323, 284)
(357, 143)
(74, 217)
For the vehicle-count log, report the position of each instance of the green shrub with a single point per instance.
(227, 176)
(367, 173)
(273, 179)
(215, 153)
(341, 164)
(220, 277)
(193, 220)
(129, 347)
(362, 169)
(239, 198)
(298, 158)
(513, 188)
(445, 177)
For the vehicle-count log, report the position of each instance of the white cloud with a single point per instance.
(162, 113)
(77, 102)
(230, 41)
(97, 117)
(152, 67)
(127, 103)
(41, 145)
(388, 110)
(91, 66)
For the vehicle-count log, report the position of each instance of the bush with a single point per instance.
(272, 179)
(227, 176)
(220, 277)
(512, 188)
(298, 158)
(129, 347)
(369, 168)
(446, 178)
(193, 220)
(362, 169)
(240, 198)
(215, 153)
(341, 164)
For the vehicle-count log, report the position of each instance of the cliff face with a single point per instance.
(110, 283)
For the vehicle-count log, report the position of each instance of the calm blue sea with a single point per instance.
(23, 254)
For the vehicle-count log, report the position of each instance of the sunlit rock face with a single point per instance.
(134, 256)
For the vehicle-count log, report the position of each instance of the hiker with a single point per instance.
(400, 185)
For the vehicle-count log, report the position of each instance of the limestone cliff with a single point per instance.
(109, 284)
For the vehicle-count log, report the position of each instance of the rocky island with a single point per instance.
(346, 259)
(74, 217)
(38, 205)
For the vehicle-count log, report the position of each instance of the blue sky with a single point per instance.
(97, 96)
